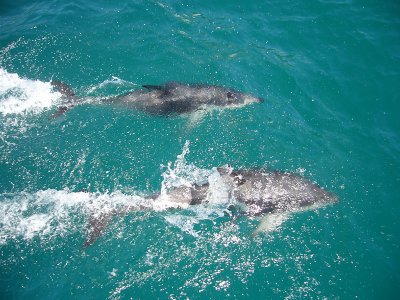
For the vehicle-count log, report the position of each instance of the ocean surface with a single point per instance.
(329, 72)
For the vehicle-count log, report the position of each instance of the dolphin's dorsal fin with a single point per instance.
(153, 87)
(64, 89)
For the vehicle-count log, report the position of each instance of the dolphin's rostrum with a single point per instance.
(166, 99)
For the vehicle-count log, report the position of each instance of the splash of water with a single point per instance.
(50, 213)
(184, 174)
(24, 96)
(114, 82)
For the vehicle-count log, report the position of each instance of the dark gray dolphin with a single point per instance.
(166, 99)
(254, 192)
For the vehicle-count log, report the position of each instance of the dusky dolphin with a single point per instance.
(254, 192)
(167, 99)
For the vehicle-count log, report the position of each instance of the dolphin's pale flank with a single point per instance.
(166, 99)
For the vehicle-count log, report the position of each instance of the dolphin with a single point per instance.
(170, 98)
(252, 192)
(257, 191)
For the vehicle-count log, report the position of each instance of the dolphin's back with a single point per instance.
(177, 98)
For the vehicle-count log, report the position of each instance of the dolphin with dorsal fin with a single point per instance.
(167, 99)
(255, 192)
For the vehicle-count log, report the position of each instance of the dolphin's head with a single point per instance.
(324, 196)
(233, 97)
(222, 96)
(266, 191)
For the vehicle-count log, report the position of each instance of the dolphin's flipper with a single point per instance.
(270, 222)
(196, 118)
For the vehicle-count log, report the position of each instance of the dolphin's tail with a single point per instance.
(67, 93)
(97, 225)
(99, 222)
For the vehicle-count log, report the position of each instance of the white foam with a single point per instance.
(20, 95)
(114, 81)
(50, 213)
(33, 225)
(219, 191)
(184, 223)
(181, 173)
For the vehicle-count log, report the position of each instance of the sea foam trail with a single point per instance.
(22, 96)
(47, 214)
(50, 213)
(115, 82)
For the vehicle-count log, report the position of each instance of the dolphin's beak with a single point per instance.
(260, 100)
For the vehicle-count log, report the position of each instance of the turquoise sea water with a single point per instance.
(329, 72)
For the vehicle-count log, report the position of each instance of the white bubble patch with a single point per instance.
(113, 82)
(50, 213)
(183, 174)
(21, 96)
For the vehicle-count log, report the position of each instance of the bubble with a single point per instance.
(22, 96)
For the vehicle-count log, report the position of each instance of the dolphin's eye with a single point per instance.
(229, 95)
(239, 180)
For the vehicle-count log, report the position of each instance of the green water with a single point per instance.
(329, 72)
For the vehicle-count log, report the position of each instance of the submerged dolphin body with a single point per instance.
(166, 99)
(254, 192)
